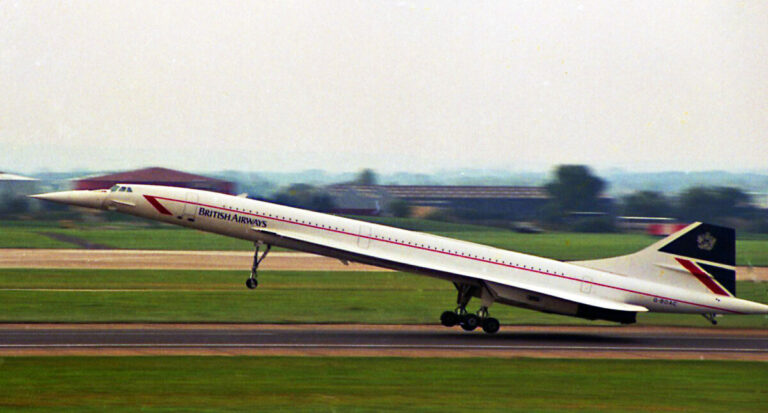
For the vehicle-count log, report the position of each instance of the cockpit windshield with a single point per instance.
(118, 188)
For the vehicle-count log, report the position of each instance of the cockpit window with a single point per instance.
(129, 189)
(114, 188)
(122, 189)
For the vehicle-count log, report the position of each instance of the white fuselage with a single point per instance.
(512, 278)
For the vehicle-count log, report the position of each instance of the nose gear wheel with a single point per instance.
(252, 282)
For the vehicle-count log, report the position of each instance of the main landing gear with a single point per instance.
(467, 320)
(711, 318)
(252, 282)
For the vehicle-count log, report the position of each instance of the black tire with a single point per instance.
(449, 319)
(491, 325)
(251, 283)
(470, 322)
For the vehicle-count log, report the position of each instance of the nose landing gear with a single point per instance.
(252, 282)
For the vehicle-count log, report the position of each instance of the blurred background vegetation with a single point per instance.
(569, 198)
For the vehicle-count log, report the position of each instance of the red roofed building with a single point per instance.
(156, 176)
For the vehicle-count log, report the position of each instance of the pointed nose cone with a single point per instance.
(87, 199)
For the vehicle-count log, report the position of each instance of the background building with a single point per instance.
(514, 203)
(358, 199)
(156, 176)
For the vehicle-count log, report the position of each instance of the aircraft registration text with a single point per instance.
(665, 301)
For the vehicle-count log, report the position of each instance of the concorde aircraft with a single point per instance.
(692, 271)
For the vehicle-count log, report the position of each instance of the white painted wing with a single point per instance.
(574, 297)
(441, 270)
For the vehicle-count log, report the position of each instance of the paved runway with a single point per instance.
(162, 259)
(388, 340)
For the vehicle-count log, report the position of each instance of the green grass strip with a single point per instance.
(13, 237)
(247, 384)
(54, 295)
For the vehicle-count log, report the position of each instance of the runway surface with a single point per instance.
(170, 260)
(611, 342)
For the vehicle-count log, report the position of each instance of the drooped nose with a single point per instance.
(87, 199)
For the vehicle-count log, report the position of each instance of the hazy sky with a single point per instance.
(393, 85)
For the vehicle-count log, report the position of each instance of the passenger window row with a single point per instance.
(463, 254)
(427, 247)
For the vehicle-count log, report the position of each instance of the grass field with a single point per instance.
(50, 295)
(751, 249)
(158, 239)
(14, 237)
(304, 384)
(338, 384)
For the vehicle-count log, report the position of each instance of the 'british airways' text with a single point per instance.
(232, 217)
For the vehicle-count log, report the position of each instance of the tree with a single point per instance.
(647, 204)
(400, 208)
(366, 177)
(714, 204)
(11, 205)
(305, 196)
(575, 189)
(321, 202)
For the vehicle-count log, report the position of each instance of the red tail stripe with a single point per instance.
(702, 276)
(155, 203)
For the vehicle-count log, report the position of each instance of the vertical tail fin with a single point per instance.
(700, 257)
(709, 253)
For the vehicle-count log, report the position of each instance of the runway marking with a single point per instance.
(139, 331)
(387, 346)
(122, 290)
(35, 251)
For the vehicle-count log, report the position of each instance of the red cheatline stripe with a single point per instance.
(702, 276)
(275, 218)
(157, 205)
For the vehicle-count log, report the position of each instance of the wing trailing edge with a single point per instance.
(318, 246)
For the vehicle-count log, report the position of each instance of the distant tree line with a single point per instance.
(12, 204)
(316, 198)
(575, 191)
(305, 196)
(576, 203)
(723, 205)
